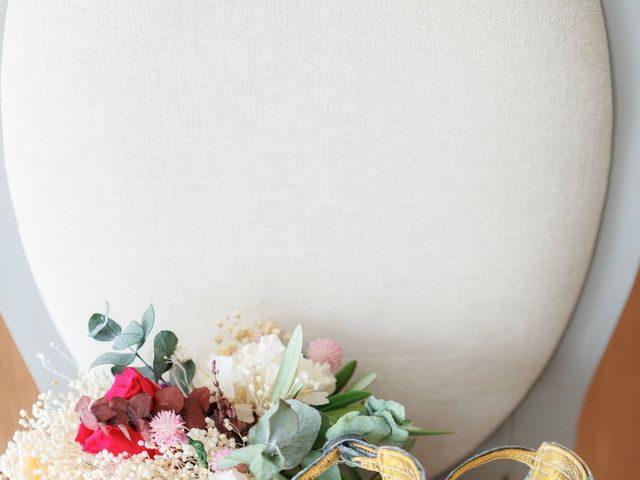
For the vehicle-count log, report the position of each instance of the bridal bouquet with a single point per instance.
(253, 409)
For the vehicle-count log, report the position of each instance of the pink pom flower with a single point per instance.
(167, 429)
(221, 453)
(326, 350)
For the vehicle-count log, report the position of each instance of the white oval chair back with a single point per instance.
(421, 180)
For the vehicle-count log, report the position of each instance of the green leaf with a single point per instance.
(419, 432)
(113, 358)
(381, 421)
(147, 372)
(288, 366)
(344, 375)
(363, 382)
(283, 425)
(351, 473)
(334, 415)
(132, 335)
(325, 424)
(287, 430)
(148, 320)
(342, 400)
(241, 456)
(263, 468)
(164, 345)
(200, 452)
(296, 388)
(182, 374)
(102, 328)
(294, 446)
(374, 429)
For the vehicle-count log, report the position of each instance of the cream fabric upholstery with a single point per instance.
(423, 180)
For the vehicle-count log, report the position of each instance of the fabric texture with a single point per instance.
(422, 180)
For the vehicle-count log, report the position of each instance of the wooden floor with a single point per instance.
(17, 385)
(609, 426)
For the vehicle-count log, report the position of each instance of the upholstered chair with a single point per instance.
(423, 180)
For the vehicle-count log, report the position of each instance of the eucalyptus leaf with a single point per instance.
(182, 374)
(287, 432)
(147, 372)
(200, 452)
(263, 468)
(133, 334)
(363, 382)
(325, 424)
(148, 320)
(164, 345)
(343, 400)
(113, 358)
(381, 421)
(374, 429)
(288, 366)
(240, 456)
(344, 375)
(103, 328)
(283, 425)
(300, 443)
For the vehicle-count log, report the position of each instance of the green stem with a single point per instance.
(131, 349)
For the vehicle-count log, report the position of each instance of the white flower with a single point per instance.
(317, 380)
(247, 377)
(231, 474)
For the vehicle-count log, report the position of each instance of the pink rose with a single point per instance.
(126, 385)
(114, 441)
(130, 383)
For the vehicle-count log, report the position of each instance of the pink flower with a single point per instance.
(326, 350)
(221, 453)
(167, 429)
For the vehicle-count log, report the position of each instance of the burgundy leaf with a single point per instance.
(102, 412)
(101, 401)
(169, 398)
(202, 396)
(88, 419)
(120, 418)
(142, 427)
(140, 405)
(118, 404)
(83, 403)
(193, 413)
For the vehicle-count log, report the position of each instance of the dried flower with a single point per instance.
(247, 377)
(326, 350)
(167, 429)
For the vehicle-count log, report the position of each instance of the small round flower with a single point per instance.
(167, 429)
(326, 350)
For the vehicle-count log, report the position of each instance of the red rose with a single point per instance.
(114, 441)
(126, 385)
(130, 383)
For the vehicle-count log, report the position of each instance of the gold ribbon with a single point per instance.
(549, 462)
